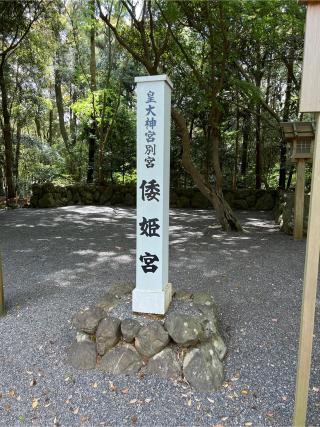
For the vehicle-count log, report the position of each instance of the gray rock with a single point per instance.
(210, 321)
(82, 355)
(164, 364)
(108, 334)
(108, 301)
(203, 369)
(184, 329)
(265, 202)
(182, 295)
(121, 360)
(219, 345)
(130, 329)
(203, 298)
(82, 337)
(151, 339)
(121, 289)
(87, 320)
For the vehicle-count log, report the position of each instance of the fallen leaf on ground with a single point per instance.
(284, 397)
(75, 411)
(7, 407)
(244, 392)
(125, 390)
(189, 402)
(132, 401)
(33, 382)
(134, 419)
(12, 393)
(35, 403)
(94, 385)
(210, 400)
(316, 389)
(112, 387)
(248, 423)
(148, 400)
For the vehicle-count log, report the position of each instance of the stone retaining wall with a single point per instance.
(48, 196)
(285, 213)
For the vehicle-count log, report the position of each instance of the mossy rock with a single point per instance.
(129, 199)
(117, 199)
(183, 202)
(173, 199)
(251, 200)
(36, 189)
(265, 202)
(34, 201)
(198, 201)
(243, 193)
(240, 204)
(229, 197)
(48, 187)
(47, 201)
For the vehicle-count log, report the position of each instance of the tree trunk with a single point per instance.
(50, 127)
(245, 142)
(7, 136)
(59, 102)
(224, 213)
(236, 155)
(285, 118)
(93, 86)
(258, 148)
(17, 156)
(38, 126)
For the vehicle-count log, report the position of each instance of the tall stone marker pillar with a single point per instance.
(153, 293)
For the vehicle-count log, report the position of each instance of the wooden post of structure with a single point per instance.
(309, 290)
(310, 103)
(2, 306)
(299, 201)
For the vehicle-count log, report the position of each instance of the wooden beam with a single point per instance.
(310, 85)
(2, 306)
(299, 201)
(309, 290)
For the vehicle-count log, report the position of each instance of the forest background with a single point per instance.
(67, 91)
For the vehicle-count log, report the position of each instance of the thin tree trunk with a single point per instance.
(93, 86)
(224, 213)
(258, 148)
(59, 102)
(285, 118)
(245, 142)
(7, 136)
(50, 127)
(236, 155)
(17, 156)
(38, 126)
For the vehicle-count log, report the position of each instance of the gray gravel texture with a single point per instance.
(59, 260)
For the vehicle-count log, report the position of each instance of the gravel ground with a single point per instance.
(59, 260)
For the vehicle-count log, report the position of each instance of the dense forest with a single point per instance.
(67, 73)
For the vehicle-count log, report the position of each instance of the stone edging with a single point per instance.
(184, 344)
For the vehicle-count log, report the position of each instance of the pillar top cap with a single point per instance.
(157, 78)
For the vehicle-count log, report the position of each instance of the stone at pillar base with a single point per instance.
(153, 302)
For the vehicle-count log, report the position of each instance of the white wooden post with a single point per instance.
(153, 292)
(310, 102)
(309, 290)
